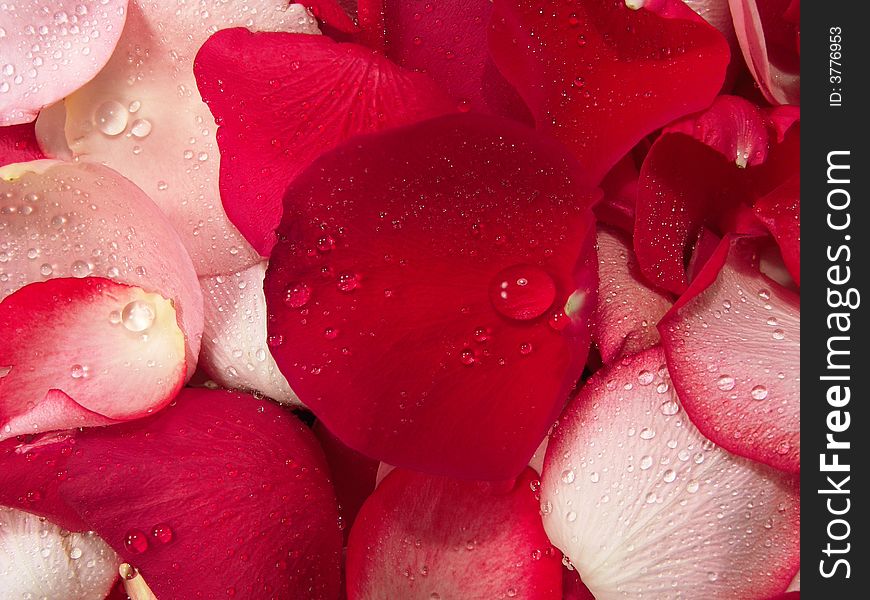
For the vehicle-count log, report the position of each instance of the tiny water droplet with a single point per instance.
(141, 128)
(568, 476)
(646, 462)
(669, 408)
(348, 281)
(571, 516)
(647, 434)
(75, 553)
(759, 392)
(645, 377)
(725, 383)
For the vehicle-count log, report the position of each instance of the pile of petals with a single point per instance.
(408, 300)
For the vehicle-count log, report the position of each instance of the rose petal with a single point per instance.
(18, 144)
(573, 588)
(143, 116)
(393, 253)
(628, 309)
(78, 220)
(354, 475)
(420, 537)
(780, 211)
(39, 560)
(733, 126)
(733, 348)
(214, 477)
(644, 506)
(331, 92)
(717, 13)
(46, 52)
(114, 350)
(447, 41)
(768, 44)
(620, 195)
(599, 76)
(235, 350)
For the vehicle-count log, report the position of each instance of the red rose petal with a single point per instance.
(717, 13)
(18, 144)
(573, 587)
(646, 507)
(331, 13)
(143, 116)
(48, 52)
(420, 537)
(599, 76)
(620, 195)
(733, 348)
(425, 275)
(628, 310)
(330, 93)
(115, 351)
(448, 42)
(780, 211)
(732, 125)
(354, 475)
(80, 220)
(768, 44)
(216, 477)
(684, 185)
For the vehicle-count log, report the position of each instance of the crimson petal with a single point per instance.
(18, 144)
(215, 477)
(599, 76)
(448, 41)
(329, 93)
(420, 537)
(733, 348)
(628, 309)
(780, 211)
(436, 282)
(645, 506)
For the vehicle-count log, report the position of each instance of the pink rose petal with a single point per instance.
(143, 116)
(48, 51)
(733, 348)
(645, 506)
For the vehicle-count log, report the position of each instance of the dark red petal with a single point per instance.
(216, 478)
(733, 349)
(85, 352)
(422, 537)
(18, 144)
(599, 76)
(735, 127)
(386, 284)
(645, 506)
(573, 587)
(447, 41)
(684, 185)
(331, 13)
(620, 195)
(628, 310)
(768, 44)
(281, 100)
(352, 473)
(780, 210)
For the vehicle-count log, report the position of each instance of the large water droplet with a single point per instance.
(111, 117)
(162, 533)
(135, 541)
(141, 128)
(522, 292)
(297, 294)
(725, 383)
(138, 315)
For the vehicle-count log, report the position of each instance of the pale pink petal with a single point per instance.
(628, 308)
(235, 350)
(645, 506)
(769, 48)
(50, 50)
(716, 13)
(115, 352)
(143, 116)
(77, 220)
(38, 559)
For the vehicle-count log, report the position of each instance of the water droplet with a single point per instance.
(651, 498)
(348, 281)
(764, 294)
(78, 371)
(778, 334)
(669, 408)
(525, 349)
(568, 476)
(80, 268)
(594, 477)
(759, 392)
(546, 507)
(712, 576)
(571, 516)
(163, 533)
(75, 553)
(645, 377)
(646, 462)
(135, 541)
(669, 475)
(725, 383)
(141, 128)
(111, 117)
(138, 315)
(467, 357)
(45, 270)
(297, 294)
(647, 434)
(522, 292)
(692, 486)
